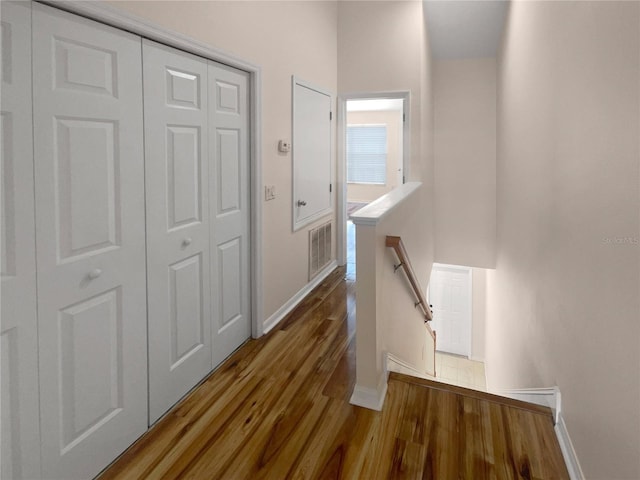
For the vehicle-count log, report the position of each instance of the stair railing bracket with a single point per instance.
(397, 245)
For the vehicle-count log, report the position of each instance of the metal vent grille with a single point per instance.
(319, 248)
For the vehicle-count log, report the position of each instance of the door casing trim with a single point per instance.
(469, 271)
(341, 174)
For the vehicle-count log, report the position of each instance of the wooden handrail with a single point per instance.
(405, 263)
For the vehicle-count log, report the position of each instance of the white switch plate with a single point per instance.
(269, 192)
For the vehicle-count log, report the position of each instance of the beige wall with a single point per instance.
(284, 39)
(363, 193)
(478, 312)
(465, 161)
(404, 333)
(383, 46)
(563, 300)
(386, 318)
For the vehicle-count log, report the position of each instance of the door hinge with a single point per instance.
(330, 116)
(330, 188)
(404, 117)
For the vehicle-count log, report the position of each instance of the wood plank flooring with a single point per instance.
(278, 408)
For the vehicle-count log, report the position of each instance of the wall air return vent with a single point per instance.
(319, 248)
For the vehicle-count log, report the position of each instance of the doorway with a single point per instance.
(450, 296)
(373, 153)
(457, 296)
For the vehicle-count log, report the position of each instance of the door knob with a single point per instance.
(187, 241)
(93, 274)
(301, 203)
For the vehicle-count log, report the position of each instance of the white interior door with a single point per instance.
(19, 346)
(450, 295)
(89, 179)
(176, 120)
(229, 208)
(311, 154)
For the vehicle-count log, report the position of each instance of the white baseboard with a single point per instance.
(371, 398)
(282, 312)
(416, 373)
(568, 453)
(551, 397)
(546, 397)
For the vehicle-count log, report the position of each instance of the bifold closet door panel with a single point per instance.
(230, 208)
(20, 442)
(176, 143)
(89, 181)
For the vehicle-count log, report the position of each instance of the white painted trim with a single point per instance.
(470, 293)
(552, 398)
(341, 185)
(373, 213)
(403, 364)
(546, 397)
(371, 398)
(568, 452)
(299, 224)
(122, 20)
(282, 312)
(257, 304)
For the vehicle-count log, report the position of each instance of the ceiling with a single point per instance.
(376, 104)
(465, 28)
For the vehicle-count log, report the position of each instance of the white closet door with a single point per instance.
(19, 347)
(89, 178)
(311, 154)
(230, 208)
(175, 107)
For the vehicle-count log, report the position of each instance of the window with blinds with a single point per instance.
(367, 154)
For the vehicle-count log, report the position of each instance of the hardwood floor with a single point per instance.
(279, 408)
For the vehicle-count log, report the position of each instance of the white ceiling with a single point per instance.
(376, 104)
(465, 28)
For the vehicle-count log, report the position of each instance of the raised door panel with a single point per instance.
(87, 187)
(176, 130)
(229, 188)
(230, 211)
(230, 278)
(89, 179)
(186, 312)
(91, 381)
(18, 322)
(184, 194)
(8, 209)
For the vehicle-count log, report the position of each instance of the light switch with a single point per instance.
(269, 192)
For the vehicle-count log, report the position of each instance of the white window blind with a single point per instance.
(367, 154)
